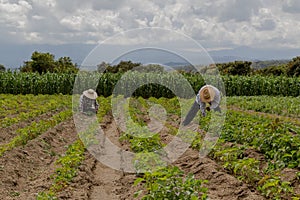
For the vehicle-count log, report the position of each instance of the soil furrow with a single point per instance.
(7, 133)
(295, 120)
(112, 185)
(220, 184)
(94, 180)
(25, 171)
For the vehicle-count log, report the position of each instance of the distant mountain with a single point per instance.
(13, 56)
(268, 63)
(176, 64)
(253, 54)
(225, 59)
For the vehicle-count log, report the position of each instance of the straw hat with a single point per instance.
(207, 94)
(90, 93)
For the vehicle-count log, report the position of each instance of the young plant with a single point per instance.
(171, 183)
(273, 187)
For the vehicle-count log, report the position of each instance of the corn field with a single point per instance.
(54, 83)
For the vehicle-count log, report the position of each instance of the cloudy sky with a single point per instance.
(215, 24)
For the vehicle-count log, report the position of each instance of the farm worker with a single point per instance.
(88, 102)
(208, 97)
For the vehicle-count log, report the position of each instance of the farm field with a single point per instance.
(256, 157)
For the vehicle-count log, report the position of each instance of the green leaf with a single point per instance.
(136, 194)
(137, 181)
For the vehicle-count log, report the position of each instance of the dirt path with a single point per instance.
(96, 181)
(107, 187)
(112, 184)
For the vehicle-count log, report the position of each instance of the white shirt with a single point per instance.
(214, 103)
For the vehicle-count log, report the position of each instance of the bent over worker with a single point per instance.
(208, 97)
(88, 102)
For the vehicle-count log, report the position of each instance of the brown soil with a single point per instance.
(7, 133)
(27, 170)
(97, 181)
(220, 184)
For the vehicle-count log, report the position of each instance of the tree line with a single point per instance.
(45, 62)
(292, 68)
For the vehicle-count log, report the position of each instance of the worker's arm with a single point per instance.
(191, 114)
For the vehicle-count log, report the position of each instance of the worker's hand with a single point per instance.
(203, 114)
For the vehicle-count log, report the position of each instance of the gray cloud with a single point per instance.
(266, 25)
(71, 6)
(107, 4)
(221, 23)
(291, 6)
(238, 10)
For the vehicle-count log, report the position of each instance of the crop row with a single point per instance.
(161, 84)
(159, 180)
(67, 166)
(271, 137)
(254, 171)
(31, 106)
(14, 104)
(34, 129)
(286, 106)
(278, 140)
(34, 83)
